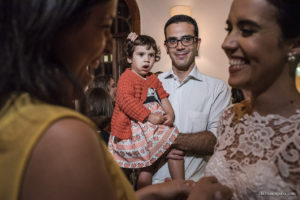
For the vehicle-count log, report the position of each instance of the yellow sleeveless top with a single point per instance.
(22, 123)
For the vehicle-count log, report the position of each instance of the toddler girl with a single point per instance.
(142, 123)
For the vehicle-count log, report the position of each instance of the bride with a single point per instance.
(258, 148)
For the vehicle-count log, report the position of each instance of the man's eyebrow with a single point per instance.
(179, 38)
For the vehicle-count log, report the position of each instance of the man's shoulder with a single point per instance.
(212, 79)
(214, 85)
(163, 75)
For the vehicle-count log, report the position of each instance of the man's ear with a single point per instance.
(167, 50)
(198, 43)
(129, 60)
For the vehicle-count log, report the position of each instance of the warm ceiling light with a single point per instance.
(180, 10)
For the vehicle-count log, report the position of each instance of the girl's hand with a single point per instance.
(156, 118)
(169, 120)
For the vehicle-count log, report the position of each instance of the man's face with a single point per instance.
(182, 56)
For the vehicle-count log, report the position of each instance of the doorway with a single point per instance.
(126, 21)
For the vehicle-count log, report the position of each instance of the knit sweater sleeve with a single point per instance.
(127, 102)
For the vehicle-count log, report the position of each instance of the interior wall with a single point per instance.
(210, 16)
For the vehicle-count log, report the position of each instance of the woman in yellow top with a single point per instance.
(47, 150)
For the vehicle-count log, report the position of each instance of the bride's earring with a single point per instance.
(291, 56)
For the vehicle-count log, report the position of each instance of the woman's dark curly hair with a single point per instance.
(141, 40)
(28, 62)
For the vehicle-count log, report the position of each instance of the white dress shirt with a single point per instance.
(198, 102)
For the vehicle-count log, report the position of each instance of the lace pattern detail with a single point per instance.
(258, 156)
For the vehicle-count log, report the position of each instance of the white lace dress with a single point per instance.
(258, 156)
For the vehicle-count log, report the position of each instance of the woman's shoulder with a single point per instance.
(29, 109)
(65, 145)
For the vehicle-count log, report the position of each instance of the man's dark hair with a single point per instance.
(182, 18)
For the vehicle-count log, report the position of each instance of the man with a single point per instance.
(197, 99)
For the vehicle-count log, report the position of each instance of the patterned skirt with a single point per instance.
(147, 144)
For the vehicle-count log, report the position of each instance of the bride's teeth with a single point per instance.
(236, 62)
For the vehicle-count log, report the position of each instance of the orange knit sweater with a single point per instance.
(131, 94)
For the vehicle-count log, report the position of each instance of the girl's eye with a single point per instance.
(141, 54)
(151, 55)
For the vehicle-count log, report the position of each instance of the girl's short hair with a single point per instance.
(141, 40)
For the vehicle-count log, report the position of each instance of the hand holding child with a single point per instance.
(156, 118)
(169, 120)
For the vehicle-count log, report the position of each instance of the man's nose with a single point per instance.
(180, 45)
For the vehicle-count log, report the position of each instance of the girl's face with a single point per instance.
(80, 47)
(142, 60)
(257, 55)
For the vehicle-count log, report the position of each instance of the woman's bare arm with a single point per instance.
(67, 163)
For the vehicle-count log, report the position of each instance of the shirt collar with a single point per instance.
(194, 74)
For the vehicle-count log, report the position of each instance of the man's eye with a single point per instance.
(172, 41)
(187, 39)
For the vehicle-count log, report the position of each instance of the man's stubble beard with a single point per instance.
(184, 66)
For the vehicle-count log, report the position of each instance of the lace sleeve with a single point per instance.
(288, 150)
(258, 153)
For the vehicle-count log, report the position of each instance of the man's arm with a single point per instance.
(201, 143)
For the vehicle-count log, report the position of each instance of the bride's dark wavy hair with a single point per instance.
(288, 17)
(27, 59)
